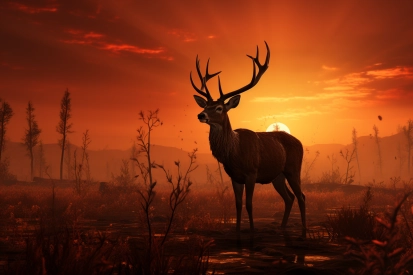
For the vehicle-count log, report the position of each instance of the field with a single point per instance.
(114, 231)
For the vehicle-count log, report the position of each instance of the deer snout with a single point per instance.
(203, 117)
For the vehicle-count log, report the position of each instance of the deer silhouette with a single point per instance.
(251, 157)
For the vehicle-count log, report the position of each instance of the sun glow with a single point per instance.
(278, 126)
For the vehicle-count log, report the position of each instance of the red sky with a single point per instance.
(334, 65)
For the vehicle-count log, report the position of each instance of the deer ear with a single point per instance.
(200, 101)
(233, 102)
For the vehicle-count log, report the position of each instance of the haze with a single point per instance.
(334, 65)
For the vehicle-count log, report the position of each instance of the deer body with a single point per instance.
(252, 157)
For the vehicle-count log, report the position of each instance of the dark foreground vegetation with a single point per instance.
(47, 228)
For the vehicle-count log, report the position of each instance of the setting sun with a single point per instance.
(278, 126)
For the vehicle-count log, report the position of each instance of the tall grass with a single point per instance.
(389, 253)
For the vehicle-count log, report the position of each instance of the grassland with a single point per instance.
(110, 232)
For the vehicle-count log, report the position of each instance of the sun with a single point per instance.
(278, 126)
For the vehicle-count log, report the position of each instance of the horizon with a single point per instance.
(171, 146)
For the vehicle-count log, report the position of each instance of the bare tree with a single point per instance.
(124, 179)
(41, 159)
(64, 126)
(377, 140)
(85, 155)
(6, 113)
(408, 133)
(180, 189)
(31, 135)
(348, 157)
(333, 176)
(355, 146)
(308, 165)
(81, 168)
(151, 121)
(68, 160)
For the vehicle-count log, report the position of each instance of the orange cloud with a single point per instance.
(327, 68)
(99, 41)
(370, 78)
(319, 96)
(398, 71)
(130, 48)
(32, 10)
(294, 114)
(183, 35)
(93, 35)
(389, 94)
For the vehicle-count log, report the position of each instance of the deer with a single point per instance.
(250, 157)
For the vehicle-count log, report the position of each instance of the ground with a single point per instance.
(200, 230)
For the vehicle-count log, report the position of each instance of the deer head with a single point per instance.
(215, 111)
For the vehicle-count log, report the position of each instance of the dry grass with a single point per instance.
(26, 216)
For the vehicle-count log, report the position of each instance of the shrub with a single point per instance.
(356, 223)
(387, 254)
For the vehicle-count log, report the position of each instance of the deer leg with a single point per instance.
(238, 191)
(249, 190)
(286, 195)
(295, 184)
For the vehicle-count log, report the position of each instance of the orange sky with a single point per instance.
(334, 65)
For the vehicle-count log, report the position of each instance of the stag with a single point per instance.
(251, 157)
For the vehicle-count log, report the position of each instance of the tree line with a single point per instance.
(31, 137)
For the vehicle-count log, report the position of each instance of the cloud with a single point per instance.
(396, 72)
(294, 114)
(187, 36)
(32, 9)
(102, 42)
(354, 81)
(327, 68)
(319, 96)
(116, 48)
(183, 35)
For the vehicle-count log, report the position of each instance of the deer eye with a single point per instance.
(218, 109)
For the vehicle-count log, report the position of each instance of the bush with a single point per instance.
(389, 253)
(356, 223)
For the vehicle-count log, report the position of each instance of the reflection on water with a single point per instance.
(316, 258)
(268, 247)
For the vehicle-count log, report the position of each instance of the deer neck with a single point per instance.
(223, 141)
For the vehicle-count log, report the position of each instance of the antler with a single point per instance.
(255, 77)
(203, 79)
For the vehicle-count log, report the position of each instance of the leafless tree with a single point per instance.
(124, 179)
(334, 175)
(81, 167)
(41, 159)
(355, 146)
(31, 135)
(85, 155)
(348, 157)
(377, 140)
(180, 188)
(408, 133)
(6, 113)
(150, 121)
(64, 127)
(308, 165)
(68, 160)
